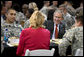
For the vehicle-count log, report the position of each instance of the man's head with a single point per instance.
(29, 12)
(24, 8)
(79, 16)
(8, 4)
(57, 17)
(3, 10)
(11, 15)
(63, 8)
(81, 4)
(70, 3)
(65, 2)
(47, 3)
(55, 3)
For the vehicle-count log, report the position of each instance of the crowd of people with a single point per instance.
(36, 27)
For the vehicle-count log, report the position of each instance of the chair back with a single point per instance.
(79, 52)
(40, 52)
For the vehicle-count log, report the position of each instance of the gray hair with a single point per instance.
(63, 5)
(58, 11)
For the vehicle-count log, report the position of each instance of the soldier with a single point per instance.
(70, 8)
(54, 5)
(68, 20)
(20, 17)
(73, 37)
(13, 29)
(24, 8)
(3, 12)
(8, 4)
(45, 8)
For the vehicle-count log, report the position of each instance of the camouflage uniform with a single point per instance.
(73, 37)
(54, 7)
(26, 24)
(71, 10)
(44, 10)
(68, 20)
(20, 17)
(2, 20)
(13, 29)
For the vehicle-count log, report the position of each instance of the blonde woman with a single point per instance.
(33, 5)
(35, 37)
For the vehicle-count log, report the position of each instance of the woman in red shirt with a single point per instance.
(35, 37)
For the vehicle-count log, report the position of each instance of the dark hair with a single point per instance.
(70, 2)
(30, 11)
(16, 7)
(63, 5)
(10, 9)
(45, 2)
(50, 14)
(79, 14)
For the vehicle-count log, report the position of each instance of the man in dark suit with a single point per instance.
(56, 27)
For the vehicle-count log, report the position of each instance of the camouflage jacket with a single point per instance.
(73, 37)
(13, 29)
(26, 24)
(68, 20)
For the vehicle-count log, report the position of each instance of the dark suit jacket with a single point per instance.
(50, 26)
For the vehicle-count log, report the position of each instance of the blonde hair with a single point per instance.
(33, 5)
(37, 20)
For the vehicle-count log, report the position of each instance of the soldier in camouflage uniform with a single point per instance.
(13, 28)
(68, 20)
(45, 8)
(73, 37)
(54, 5)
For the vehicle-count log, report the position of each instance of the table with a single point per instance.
(55, 43)
(11, 51)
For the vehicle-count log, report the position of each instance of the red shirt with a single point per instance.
(33, 39)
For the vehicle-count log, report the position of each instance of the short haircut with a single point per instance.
(59, 11)
(7, 1)
(70, 2)
(16, 7)
(45, 2)
(79, 14)
(10, 9)
(63, 5)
